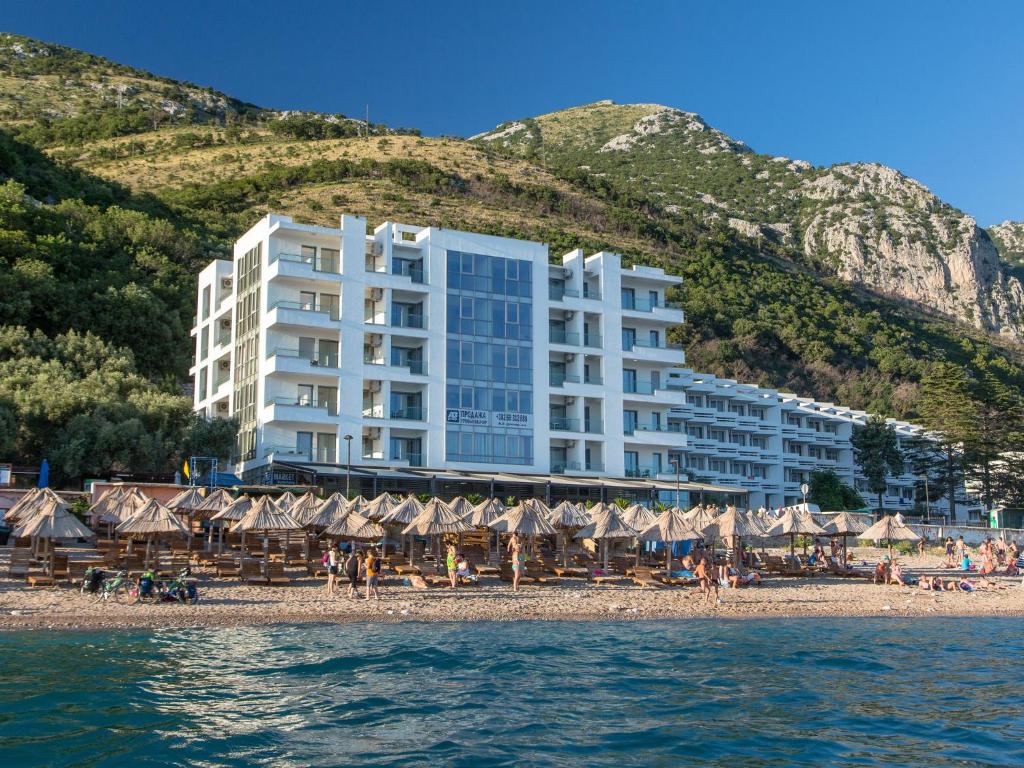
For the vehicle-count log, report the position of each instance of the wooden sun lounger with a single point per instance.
(21, 559)
(39, 580)
(607, 579)
(276, 576)
(251, 571)
(644, 577)
(404, 569)
(570, 571)
(483, 569)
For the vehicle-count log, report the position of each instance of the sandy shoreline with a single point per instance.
(231, 603)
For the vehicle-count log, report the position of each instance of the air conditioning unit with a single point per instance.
(222, 407)
(376, 294)
(570, 357)
(224, 365)
(373, 433)
(225, 282)
(570, 444)
(226, 323)
(374, 386)
(569, 314)
(570, 401)
(376, 339)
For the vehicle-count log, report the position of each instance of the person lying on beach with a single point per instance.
(933, 584)
(738, 578)
(464, 570)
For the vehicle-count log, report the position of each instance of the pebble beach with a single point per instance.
(228, 602)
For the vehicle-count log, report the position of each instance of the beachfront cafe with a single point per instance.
(372, 481)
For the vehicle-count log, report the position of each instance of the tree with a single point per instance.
(948, 411)
(829, 492)
(210, 437)
(878, 454)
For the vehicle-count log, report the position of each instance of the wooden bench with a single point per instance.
(40, 580)
(251, 571)
(276, 575)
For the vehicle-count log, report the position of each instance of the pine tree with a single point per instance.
(878, 454)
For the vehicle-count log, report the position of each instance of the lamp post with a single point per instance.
(927, 501)
(348, 467)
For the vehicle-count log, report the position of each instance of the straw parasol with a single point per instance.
(638, 516)
(461, 507)
(485, 513)
(523, 519)
(437, 518)
(102, 511)
(232, 513)
(671, 526)
(265, 516)
(217, 500)
(305, 507)
(188, 502)
(700, 517)
(285, 500)
(844, 524)
(607, 525)
(359, 504)
(403, 513)
(568, 518)
(380, 506)
(352, 525)
(153, 519)
(890, 529)
(52, 521)
(734, 525)
(24, 503)
(794, 522)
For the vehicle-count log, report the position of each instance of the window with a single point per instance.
(304, 443)
(628, 298)
(330, 260)
(325, 443)
(512, 357)
(466, 397)
(206, 302)
(652, 296)
(628, 338)
(512, 313)
(466, 308)
(305, 394)
(511, 269)
(628, 380)
(467, 264)
(308, 254)
(655, 339)
(629, 419)
(466, 352)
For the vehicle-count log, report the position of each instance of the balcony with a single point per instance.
(404, 320)
(556, 379)
(593, 466)
(646, 470)
(646, 305)
(593, 426)
(561, 424)
(561, 467)
(406, 269)
(594, 379)
(284, 360)
(592, 340)
(304, 314)
(557, 293)
(651, 428)
(286, 403)
(561, 336)
(293, 453)
(412, 459)
(302, 266)
(409, 413)
(704, 414)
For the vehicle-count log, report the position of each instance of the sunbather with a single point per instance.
(737, 577)
(882, 571)
(463, 570)
(896, 574)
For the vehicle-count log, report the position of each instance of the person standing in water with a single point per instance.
(515, 546)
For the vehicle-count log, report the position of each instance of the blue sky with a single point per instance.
(935, 89)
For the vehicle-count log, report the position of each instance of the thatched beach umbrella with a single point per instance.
(523, 519)
(733, 525)
(486, 512)
(638, 516)
(265, 516)
(889, 529)
(285, 500)
(401, 514)
(844, 524)
(232, 513)
(380, 506)
(700, 517)
(305, 507)
(436, 519)
(217, 500)
(794, 522)
(52, 521)
(353, 526)
(568, 518)
(607, 526)
(188, 503)
(103, 509)
(670, 527)
(153, 519)
(26, 502)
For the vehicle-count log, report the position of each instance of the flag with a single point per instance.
(185, 469)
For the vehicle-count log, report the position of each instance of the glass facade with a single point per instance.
(489, 359)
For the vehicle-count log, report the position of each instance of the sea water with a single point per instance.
(933, 692)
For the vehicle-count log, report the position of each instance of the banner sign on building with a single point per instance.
(468, 417)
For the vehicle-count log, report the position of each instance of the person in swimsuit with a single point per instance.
(372, 574)
(333, 561)
(949, 552)
(515, 546)
(451, 563)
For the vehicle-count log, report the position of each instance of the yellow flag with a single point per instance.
(185, 467)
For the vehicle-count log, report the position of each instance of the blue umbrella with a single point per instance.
(44, 474)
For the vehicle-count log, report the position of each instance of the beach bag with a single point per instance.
(325, 559)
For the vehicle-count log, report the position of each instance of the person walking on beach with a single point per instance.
(451, 563)
(372, 574)
(353, 565)
(333, 560)
(706, 579)
(515, 547)
(960, 548)
(949, 552)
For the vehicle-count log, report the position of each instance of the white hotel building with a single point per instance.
(421, 352)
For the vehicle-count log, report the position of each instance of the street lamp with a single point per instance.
(927, 501)
(348, 467)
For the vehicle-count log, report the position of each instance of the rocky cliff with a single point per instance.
(863, 222)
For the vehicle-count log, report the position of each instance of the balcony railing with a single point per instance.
(561, 336)
(592, 340)
(408, 321)
(639, 388)
(562, 424)
(648, 470)
(628, 344)
(317, 360)
(560, 467)
(593, 426)
(330, 310)
(410, 413)
(631, 429)
(594, 466)
(417, 367)
(414, 459)
(331, 408)
(591, 293)
(405, 269)
(331, 265)
(319, 455)
(593, 378)
(646, 305)
(556, 379)
(557, 293)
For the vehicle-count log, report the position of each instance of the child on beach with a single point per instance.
(333, 561)
(372, 574)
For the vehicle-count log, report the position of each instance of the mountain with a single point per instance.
(1008, 238)
(862, 222)
(105, 221)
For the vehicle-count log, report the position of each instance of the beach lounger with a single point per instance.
(251, 572)
(39, 580)
(276, 575)
(21, 559)
(570, 572)
(644, 577)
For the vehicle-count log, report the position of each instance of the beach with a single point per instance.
(228, 602)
